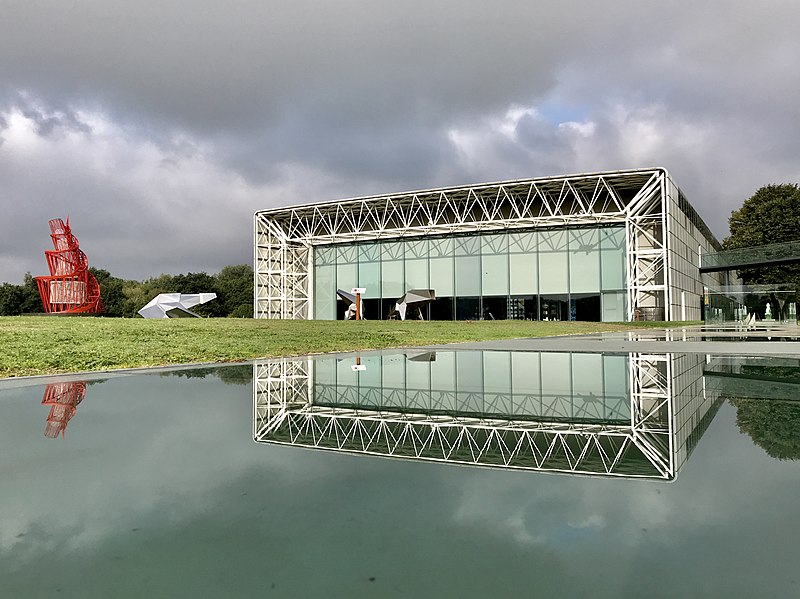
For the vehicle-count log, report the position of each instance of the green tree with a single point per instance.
(31, 300)
(111, 292)
(772, 425)
(771, 215)
(235, 290)
(135, 297)
(11, 299)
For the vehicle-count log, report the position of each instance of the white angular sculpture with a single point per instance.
(412, 302)
(175, 305)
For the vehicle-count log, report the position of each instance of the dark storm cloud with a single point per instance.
(163, 125)
(214, 67)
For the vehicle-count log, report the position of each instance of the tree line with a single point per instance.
(124, 298)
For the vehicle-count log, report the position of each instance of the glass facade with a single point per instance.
(549, 274)
(546, 386)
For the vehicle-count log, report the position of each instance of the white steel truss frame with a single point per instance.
(284, 412)
(284, 238)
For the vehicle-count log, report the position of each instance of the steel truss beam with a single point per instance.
(286, 411)
(285, 237)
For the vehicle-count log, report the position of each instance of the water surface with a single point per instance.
(156, 487)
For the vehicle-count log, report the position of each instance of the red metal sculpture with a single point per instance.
(70, 288)
(63, 399)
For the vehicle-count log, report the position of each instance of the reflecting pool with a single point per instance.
(480, 474)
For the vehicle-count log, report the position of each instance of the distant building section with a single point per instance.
(175, 305)
(70, 288)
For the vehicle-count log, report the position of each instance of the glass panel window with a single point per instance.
(468, 275)
(418, 375)
(369, 277)
(496, 243)
(523, 273)
(556, 371)
(394, 372)
(584, 260)
(525, 372)
(324, 255)
(392, 279)
(494, 279)
(370, 379)
(523, 263)
(468, 246)
(494, 264)
(441, 247)
(346, 276)
(417, 275)
(553, 262)
(469, 372)
(615, 386)
(613, 306)
(369, 252)
(417, 249)
(325, 292)
(443, 379)
(497, 371)
(612, 258)
(346, 380)
(587, 386)
(346, 253)
(442, 275)
(324, 372)
(369, 270)
(392, 250)
(523, 243)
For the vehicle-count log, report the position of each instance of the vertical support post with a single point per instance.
(357, 291)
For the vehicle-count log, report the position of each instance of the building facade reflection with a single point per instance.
(631, 415)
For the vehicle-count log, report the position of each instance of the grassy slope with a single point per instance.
(45, 345)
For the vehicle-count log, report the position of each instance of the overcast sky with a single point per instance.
(159, 127)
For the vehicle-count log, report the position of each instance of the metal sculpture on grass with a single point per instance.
(70, 288)
(412, 302)
(175, 305)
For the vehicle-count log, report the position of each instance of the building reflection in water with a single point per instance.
(63, 399)
(631, 415)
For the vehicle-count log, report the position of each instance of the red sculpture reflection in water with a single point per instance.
(70, 288)
(63, 399)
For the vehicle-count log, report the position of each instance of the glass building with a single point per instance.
(613, 246)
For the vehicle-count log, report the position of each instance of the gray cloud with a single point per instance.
(161, 126)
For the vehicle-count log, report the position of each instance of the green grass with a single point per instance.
(50, 345)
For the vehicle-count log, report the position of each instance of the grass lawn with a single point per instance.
(47, 345)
